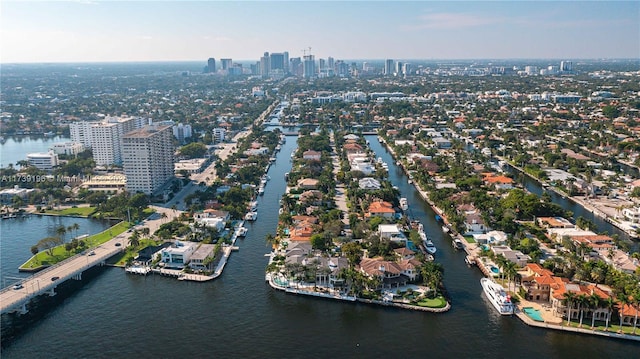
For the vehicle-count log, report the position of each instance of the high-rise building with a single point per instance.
(309, 67)
(398, 68)
(388, 67)
(181, 132)
(295, 66)
(331, 63)
(81, 132)
(211, 65)
(148, 158)
(566, 66)
(226, 64)
(406, 69)
(322, 64)
(286, 62)
(105, 137)
(277, 61)
(265, 65)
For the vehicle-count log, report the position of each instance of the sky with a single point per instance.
(105, 31)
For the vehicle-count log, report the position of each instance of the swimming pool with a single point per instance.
(533, 314)
(495, 270)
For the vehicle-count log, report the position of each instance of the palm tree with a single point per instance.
(511, 272)
(61, 231)
(623, 300)
(595, 304)
(75, 227)
(609, 303)
(582, 301)
(163, 216)
(568, 299)
(636, 307)
(134, 240)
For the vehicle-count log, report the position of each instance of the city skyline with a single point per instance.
(98, 31)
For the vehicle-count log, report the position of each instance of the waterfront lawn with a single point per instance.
(437, 302)
(469, 239)
(600, 326)
(130, 252)
(60, 253)
(75, 211)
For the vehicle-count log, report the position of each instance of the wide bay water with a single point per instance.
(238, 315)
(16, 148)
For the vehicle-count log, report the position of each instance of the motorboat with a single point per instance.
(251, 216)
(404, 205)
(241, 232)
(457, 244)
(445, 229)
(498, 297)
(429, 246)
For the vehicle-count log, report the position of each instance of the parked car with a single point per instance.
(92, 253)
(18, 286)
(118, 244)
(54, 278)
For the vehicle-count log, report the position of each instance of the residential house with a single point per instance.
(491, 237)
(391, 274)
(311, 155)
(498, 182)
(308, 183)
(311, 197)
(554, 222)
(380, 209)
(178, 255)
(517, 257)
(560, 306)
(202, 258)
(391, 232)
(369, 183)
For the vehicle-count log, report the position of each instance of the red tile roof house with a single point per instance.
(381, 209)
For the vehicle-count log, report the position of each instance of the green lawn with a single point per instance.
(437, 302)
(59, 253)
(469, 239)
(77, 211)
(613, 327)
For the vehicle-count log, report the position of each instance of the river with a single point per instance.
(239, 316)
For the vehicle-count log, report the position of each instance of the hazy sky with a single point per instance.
(78, 31)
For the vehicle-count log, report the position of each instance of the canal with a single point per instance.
(239, 316)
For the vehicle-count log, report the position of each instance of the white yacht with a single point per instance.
(497, 296)
(404, 205)
(251, 216)
(241, 232)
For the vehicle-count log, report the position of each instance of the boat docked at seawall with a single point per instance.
(241, 232)
(404, 205)
(457, 243)
(251, 216)
(497, 296)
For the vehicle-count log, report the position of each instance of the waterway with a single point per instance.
(16, 148)
(534, 186)
(239, 316)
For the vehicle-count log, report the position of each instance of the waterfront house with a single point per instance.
(380, 209)
(311, 197)
(517, 257)
(178, 255)
(404, 253)
(7, 195)
(474, 223)
(498, 182)
(560, 306)
(491, 237)
(629, 314)
(554, 222)
(391, 274)
(202, 258)
(631, 214)
(391, 232)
